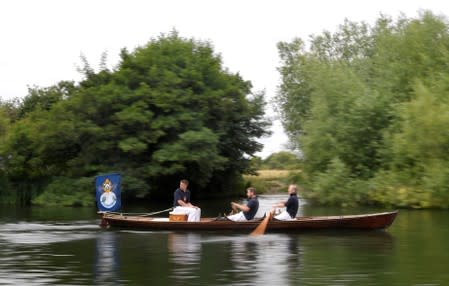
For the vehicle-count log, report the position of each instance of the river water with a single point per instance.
(65, 246)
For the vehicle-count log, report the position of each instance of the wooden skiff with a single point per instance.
(361, 222)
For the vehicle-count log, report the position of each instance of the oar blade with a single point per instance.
(260, 229)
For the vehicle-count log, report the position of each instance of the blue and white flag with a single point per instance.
(108, 192)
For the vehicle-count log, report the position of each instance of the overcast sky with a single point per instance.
(41, 40)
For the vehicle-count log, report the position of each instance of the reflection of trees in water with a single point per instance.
(355, 257)
(106, 259)
(243, 257)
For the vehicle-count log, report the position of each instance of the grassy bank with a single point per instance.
(270, 181)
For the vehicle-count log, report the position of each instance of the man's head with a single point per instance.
(183, 184)
(292, 189)
(250, 192)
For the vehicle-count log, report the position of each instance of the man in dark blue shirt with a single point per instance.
(182, 205)
(291, 205)
(249, 210)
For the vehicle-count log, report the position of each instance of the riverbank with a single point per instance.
(270, 181)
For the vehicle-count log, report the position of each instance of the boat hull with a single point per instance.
(362, 222)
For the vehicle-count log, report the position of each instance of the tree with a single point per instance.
(360, 103)
(44, 98)
(168, 111)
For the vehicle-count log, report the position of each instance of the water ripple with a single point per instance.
(44, 233)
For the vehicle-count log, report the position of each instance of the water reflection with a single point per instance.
(185, 254)
(45, 233)
(47, 252)
(346, 258)
(107, 259)
(236, 259)
(35, 253)
(265, 260)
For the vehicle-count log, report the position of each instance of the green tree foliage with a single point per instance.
(44, 98)
(168, 111)
(367, 106)
(5, 123)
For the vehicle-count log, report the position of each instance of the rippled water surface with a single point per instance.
(67, 247)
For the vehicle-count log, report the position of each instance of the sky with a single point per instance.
(41, 41)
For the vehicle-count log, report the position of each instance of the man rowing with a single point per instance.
(249, 210)
(291, 205)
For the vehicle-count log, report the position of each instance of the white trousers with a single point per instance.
(283, 216)
(237, 217)
(193, 214)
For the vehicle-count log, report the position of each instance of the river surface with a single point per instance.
(65, 246)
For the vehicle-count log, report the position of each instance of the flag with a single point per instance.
(108, 192)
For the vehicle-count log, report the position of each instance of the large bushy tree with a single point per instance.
(169, 110)
(367, 107)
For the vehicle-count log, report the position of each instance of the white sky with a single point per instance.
(41, 41)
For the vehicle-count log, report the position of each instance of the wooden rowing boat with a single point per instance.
(361, 221)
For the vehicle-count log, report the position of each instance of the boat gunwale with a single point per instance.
(298, 218)
(342, 221)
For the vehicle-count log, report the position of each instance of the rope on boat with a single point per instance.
(136, 214)
(158, 212)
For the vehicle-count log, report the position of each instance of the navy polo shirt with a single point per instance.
(292, 205)
(253, 205)
(181, 195)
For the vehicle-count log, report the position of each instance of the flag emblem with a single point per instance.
(108, 192)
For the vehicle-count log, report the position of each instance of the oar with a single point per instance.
(260, 229)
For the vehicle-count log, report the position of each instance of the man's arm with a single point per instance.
(243, 208)
(183, 204)
(178, 198)
(280, 204)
